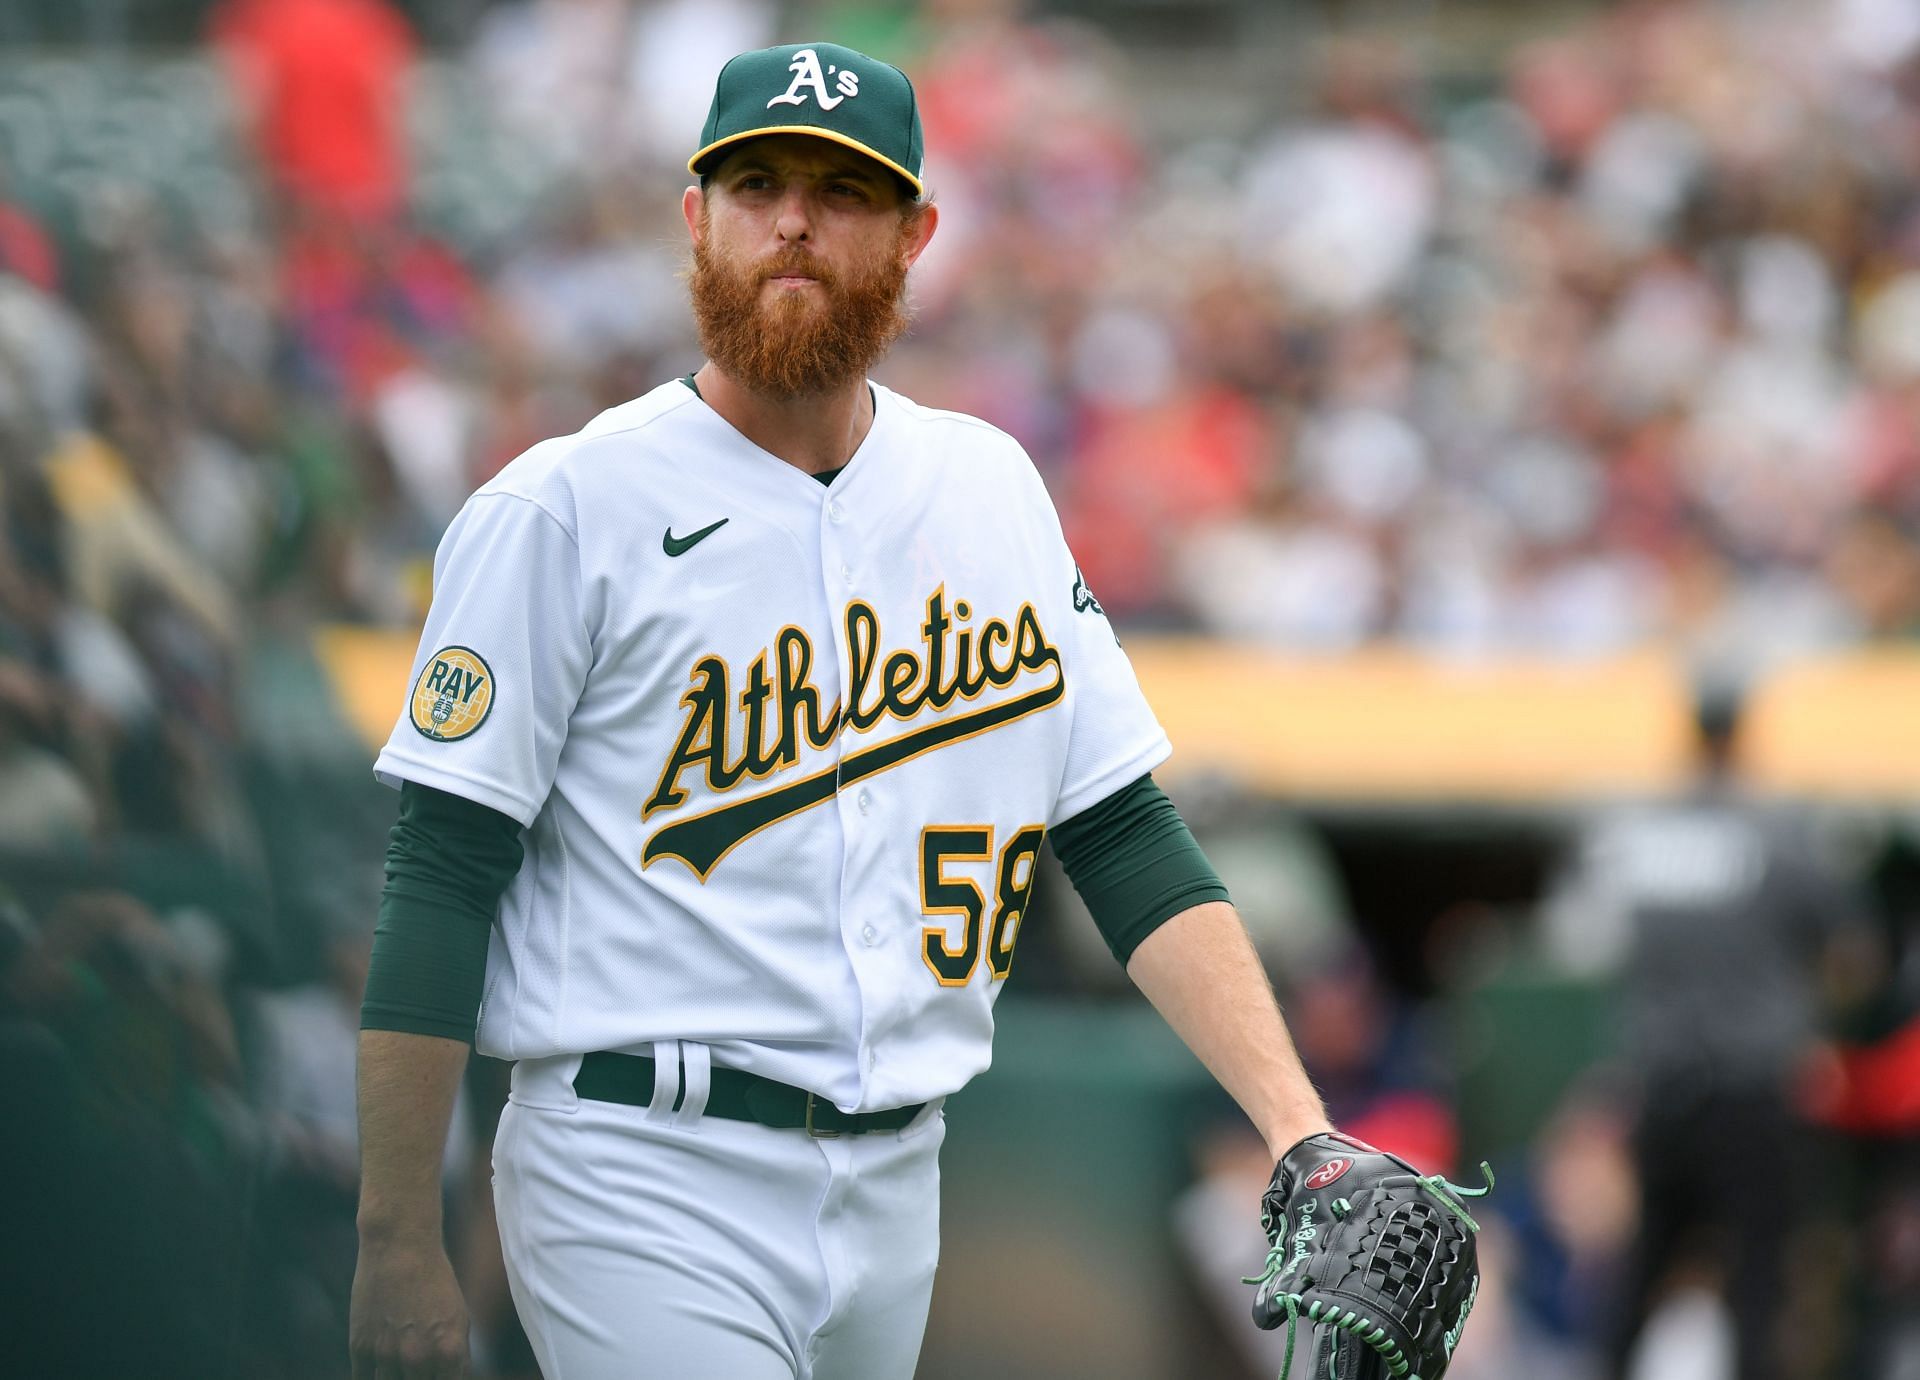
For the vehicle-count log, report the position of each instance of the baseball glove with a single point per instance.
(1378, 1254)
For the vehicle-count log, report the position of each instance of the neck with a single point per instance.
(815, 433)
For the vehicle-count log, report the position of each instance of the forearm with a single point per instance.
(1201, 973)
(407, 1087)
(448, 860)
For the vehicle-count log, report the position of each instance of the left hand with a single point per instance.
(1378, 1254)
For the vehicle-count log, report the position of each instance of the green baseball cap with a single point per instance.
(820, 89)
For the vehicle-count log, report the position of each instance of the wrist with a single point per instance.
(1284, 1133)
(387, 1228)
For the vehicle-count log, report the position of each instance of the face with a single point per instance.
(800, 257)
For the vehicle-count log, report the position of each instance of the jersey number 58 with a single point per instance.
(944, 851)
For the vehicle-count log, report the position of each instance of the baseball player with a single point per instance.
(738, 723)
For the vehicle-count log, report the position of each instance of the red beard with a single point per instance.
(796, 345)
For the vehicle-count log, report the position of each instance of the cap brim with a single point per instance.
(831, 136)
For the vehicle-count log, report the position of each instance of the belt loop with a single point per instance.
(696, 1080)
(921, 1118)
(666, 1080)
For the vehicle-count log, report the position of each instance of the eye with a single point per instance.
(846, 189)
(754, 182)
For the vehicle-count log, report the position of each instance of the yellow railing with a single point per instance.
(1396, 724)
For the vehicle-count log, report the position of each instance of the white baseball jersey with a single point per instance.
(784, 752)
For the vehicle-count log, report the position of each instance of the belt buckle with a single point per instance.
(818, 1133)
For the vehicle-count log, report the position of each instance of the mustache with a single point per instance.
(797, 261)
(781, 349)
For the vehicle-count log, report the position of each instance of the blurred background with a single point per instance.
(1495, 428)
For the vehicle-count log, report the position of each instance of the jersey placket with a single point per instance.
(863, 931)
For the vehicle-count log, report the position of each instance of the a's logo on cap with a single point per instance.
(1328, 1172)
(453, 695)
(807, 75)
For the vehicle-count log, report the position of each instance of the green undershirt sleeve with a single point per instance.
(448, 862)
(1135, 864)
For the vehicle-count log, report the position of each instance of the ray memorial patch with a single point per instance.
(453, 695)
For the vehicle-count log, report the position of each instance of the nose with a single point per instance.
(794, 223)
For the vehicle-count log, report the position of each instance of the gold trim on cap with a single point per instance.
(832, 136)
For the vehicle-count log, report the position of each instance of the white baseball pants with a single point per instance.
(643, 1243)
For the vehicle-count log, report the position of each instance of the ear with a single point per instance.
(923, 227)
(692, 201)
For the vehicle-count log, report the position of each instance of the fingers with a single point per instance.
(437, 1369)
(408, 1321)
(412, 1363)
(366, 1361)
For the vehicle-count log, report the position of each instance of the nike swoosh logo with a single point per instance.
(679, 546)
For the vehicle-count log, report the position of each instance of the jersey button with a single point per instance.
(870, 934)
(864, 801)
(835, 512)
(846, 574)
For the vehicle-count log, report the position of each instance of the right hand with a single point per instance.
(408, 1321)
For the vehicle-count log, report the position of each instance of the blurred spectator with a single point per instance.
(1341, 206)
(321, 85)
(44, 804)
(1735, 941)
(26, 250)
(674, 47)
(553, 68)
(595, 279)
(1571, 1209)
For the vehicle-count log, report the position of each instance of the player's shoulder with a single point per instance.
(940, 423)
(949, 435)
(552, 473)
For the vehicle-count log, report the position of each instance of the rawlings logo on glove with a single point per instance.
(1384, 1262)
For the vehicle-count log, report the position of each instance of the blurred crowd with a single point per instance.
(1617, 345)
(1627, 351)
(1621, 346)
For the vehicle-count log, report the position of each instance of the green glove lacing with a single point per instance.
(1361, 1326)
